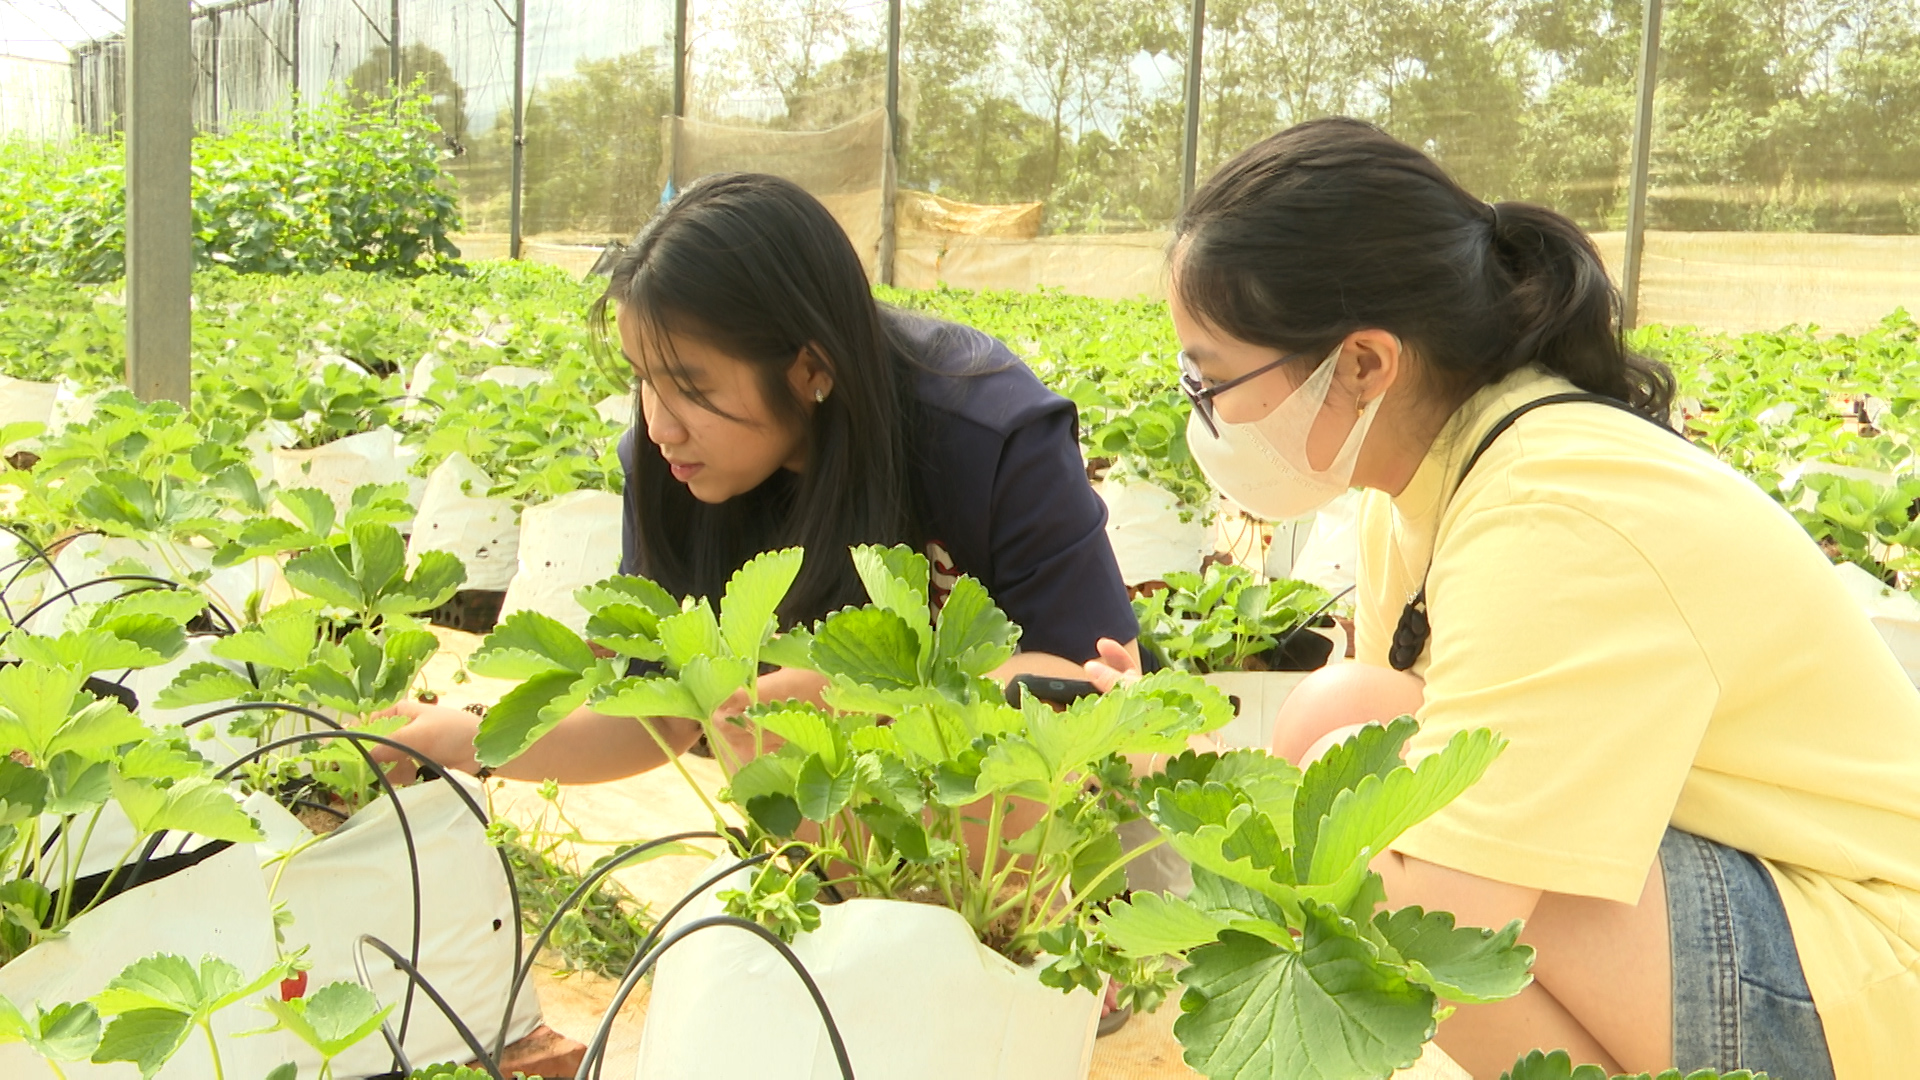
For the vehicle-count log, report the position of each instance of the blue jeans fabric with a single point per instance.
(1740, 1000)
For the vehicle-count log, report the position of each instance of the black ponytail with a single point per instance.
(1334, 226)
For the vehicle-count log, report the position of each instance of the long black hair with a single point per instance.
(1334, 226)
(758, 268)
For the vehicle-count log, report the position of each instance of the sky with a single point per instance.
(42, 29)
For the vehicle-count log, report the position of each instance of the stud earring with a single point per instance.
(819, 396)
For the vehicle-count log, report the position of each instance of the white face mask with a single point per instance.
(1263, 465)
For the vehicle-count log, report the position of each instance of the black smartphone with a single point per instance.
(1049, 689)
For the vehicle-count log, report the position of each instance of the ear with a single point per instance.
(1378, 363)
(810, 376)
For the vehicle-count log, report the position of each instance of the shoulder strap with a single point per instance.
(1410, 636)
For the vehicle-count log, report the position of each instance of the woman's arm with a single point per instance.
(1039, 663)
(587, 747)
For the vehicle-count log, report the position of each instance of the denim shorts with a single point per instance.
(1740, 1000)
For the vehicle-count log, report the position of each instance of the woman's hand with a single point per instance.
(1117, 666)
(441, 733)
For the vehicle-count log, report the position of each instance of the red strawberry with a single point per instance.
(294, 987)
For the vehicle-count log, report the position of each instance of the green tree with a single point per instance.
(370, 82)
(594, 159)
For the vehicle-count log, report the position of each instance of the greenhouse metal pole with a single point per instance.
(519, 126)
(1636, 238)
(393, 53)
(889, 164)
(159, 199)
(679, 91)
(1196, 51)
(294, 63)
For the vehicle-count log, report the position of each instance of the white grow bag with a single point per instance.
(1149, 539)
(566, 544)
(87, 558)
(344, 465)
(1258, 695)
(355, 881)
(913, 993)
(217, 908)
(23, 402)
(457, 517)
(1893, 612)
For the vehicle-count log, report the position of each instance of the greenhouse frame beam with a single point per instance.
(393, 52)
(1196, 54)
(1637, 181)
(519, 167)
(679, 92)
(159, 199)
(889, 163)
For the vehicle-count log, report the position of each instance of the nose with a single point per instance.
(663, 428)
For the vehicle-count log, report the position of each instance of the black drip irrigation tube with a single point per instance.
(39, 554)
(524, 970)
(414, 978)
(360, 740)
(152, 582)
(596, 1050)
(596, 1053)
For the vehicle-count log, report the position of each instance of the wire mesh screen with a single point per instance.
(36, 99)
(1073, 104)
(1530, 100)
(1786, 162)
(600, 77)
(460, 53)
(1041, 141)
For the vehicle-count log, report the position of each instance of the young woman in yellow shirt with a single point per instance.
(1708, 811)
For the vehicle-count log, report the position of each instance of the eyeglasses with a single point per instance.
(1202, 396)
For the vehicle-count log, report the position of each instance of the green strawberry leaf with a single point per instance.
(147, 1037)
(973, 635)
(693, 632)
(821, 792)
(868, 645)
(1372, 751)
(1364, 819)
(529, 711)
(754, 593)
(1150, 924)
(283, 641)
(199, 804)
(204, 683)
(1322, 1009)
(643, 698)
(527, 643)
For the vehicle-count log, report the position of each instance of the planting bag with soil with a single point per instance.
(457, 517)
(344, 465)
(565, 545)
(914, 994)
(1893, 612)
(23, 402)
(86, 558)
(1332, 550)
(1149, 539)
(217, 907)
(355, 881)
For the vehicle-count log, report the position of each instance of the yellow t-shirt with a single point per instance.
(1660, 643)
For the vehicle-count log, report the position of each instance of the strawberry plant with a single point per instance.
(1222, 620)
(1294, 966)
(1559, 1066)
(885, 805)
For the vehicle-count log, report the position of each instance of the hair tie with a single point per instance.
(1493, 217)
